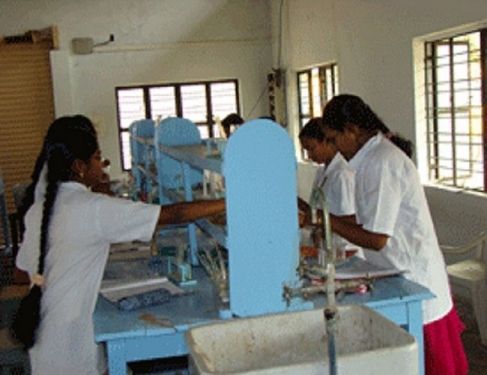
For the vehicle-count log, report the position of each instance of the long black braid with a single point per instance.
(59, 161)
(57, 127)
(350, 109)
(74, 140)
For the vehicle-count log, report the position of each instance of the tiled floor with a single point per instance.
(476, 352)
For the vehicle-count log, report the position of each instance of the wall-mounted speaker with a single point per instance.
(82, 46)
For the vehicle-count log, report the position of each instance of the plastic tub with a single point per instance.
(296, 343)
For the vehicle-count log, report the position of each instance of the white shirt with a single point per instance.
(337, 180)
(83, 225)
(390, 200)
(40, 189)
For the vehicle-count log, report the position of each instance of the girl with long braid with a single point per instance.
(65, 248)
(394, 221)
(36, 188)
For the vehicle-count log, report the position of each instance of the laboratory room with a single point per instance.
(243, 187)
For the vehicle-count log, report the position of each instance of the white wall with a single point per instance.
(184, 40)
(458, 216)
(156, 41)
(372, 42)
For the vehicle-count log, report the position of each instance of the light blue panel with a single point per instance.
(140, 129)
(141, 147)
(156, 346)
(175, 131)
(135, 157)
(262, 219)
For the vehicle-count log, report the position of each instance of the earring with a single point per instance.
(81, 175)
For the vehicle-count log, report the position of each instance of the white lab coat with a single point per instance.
(337, 180)
(82, 227)
(390, 200)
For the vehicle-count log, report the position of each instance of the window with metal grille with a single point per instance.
(316, 86)
(456, 123)
(200, 102)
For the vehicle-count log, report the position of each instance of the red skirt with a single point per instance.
(443, 347)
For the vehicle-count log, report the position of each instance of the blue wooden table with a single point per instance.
(159, 332)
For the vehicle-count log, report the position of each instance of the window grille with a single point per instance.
(199, 102)
(456, 123)
(316, 86)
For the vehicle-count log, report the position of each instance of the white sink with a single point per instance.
(296, 343)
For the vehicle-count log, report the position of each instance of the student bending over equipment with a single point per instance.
(394, 220)
(334, 177)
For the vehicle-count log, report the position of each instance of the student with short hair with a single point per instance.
(230, 123)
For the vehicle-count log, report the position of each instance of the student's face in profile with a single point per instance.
(346, 142)
(94, 173)
(321, 152)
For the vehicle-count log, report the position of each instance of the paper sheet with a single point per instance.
(356, 268)
(115, 291)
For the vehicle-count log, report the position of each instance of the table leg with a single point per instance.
(117, 364)
(415, 328)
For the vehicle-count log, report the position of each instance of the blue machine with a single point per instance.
(262, 235)
(262, 218)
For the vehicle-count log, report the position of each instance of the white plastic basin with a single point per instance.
(296, 343)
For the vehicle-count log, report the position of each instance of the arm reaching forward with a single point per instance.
(184, 212)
